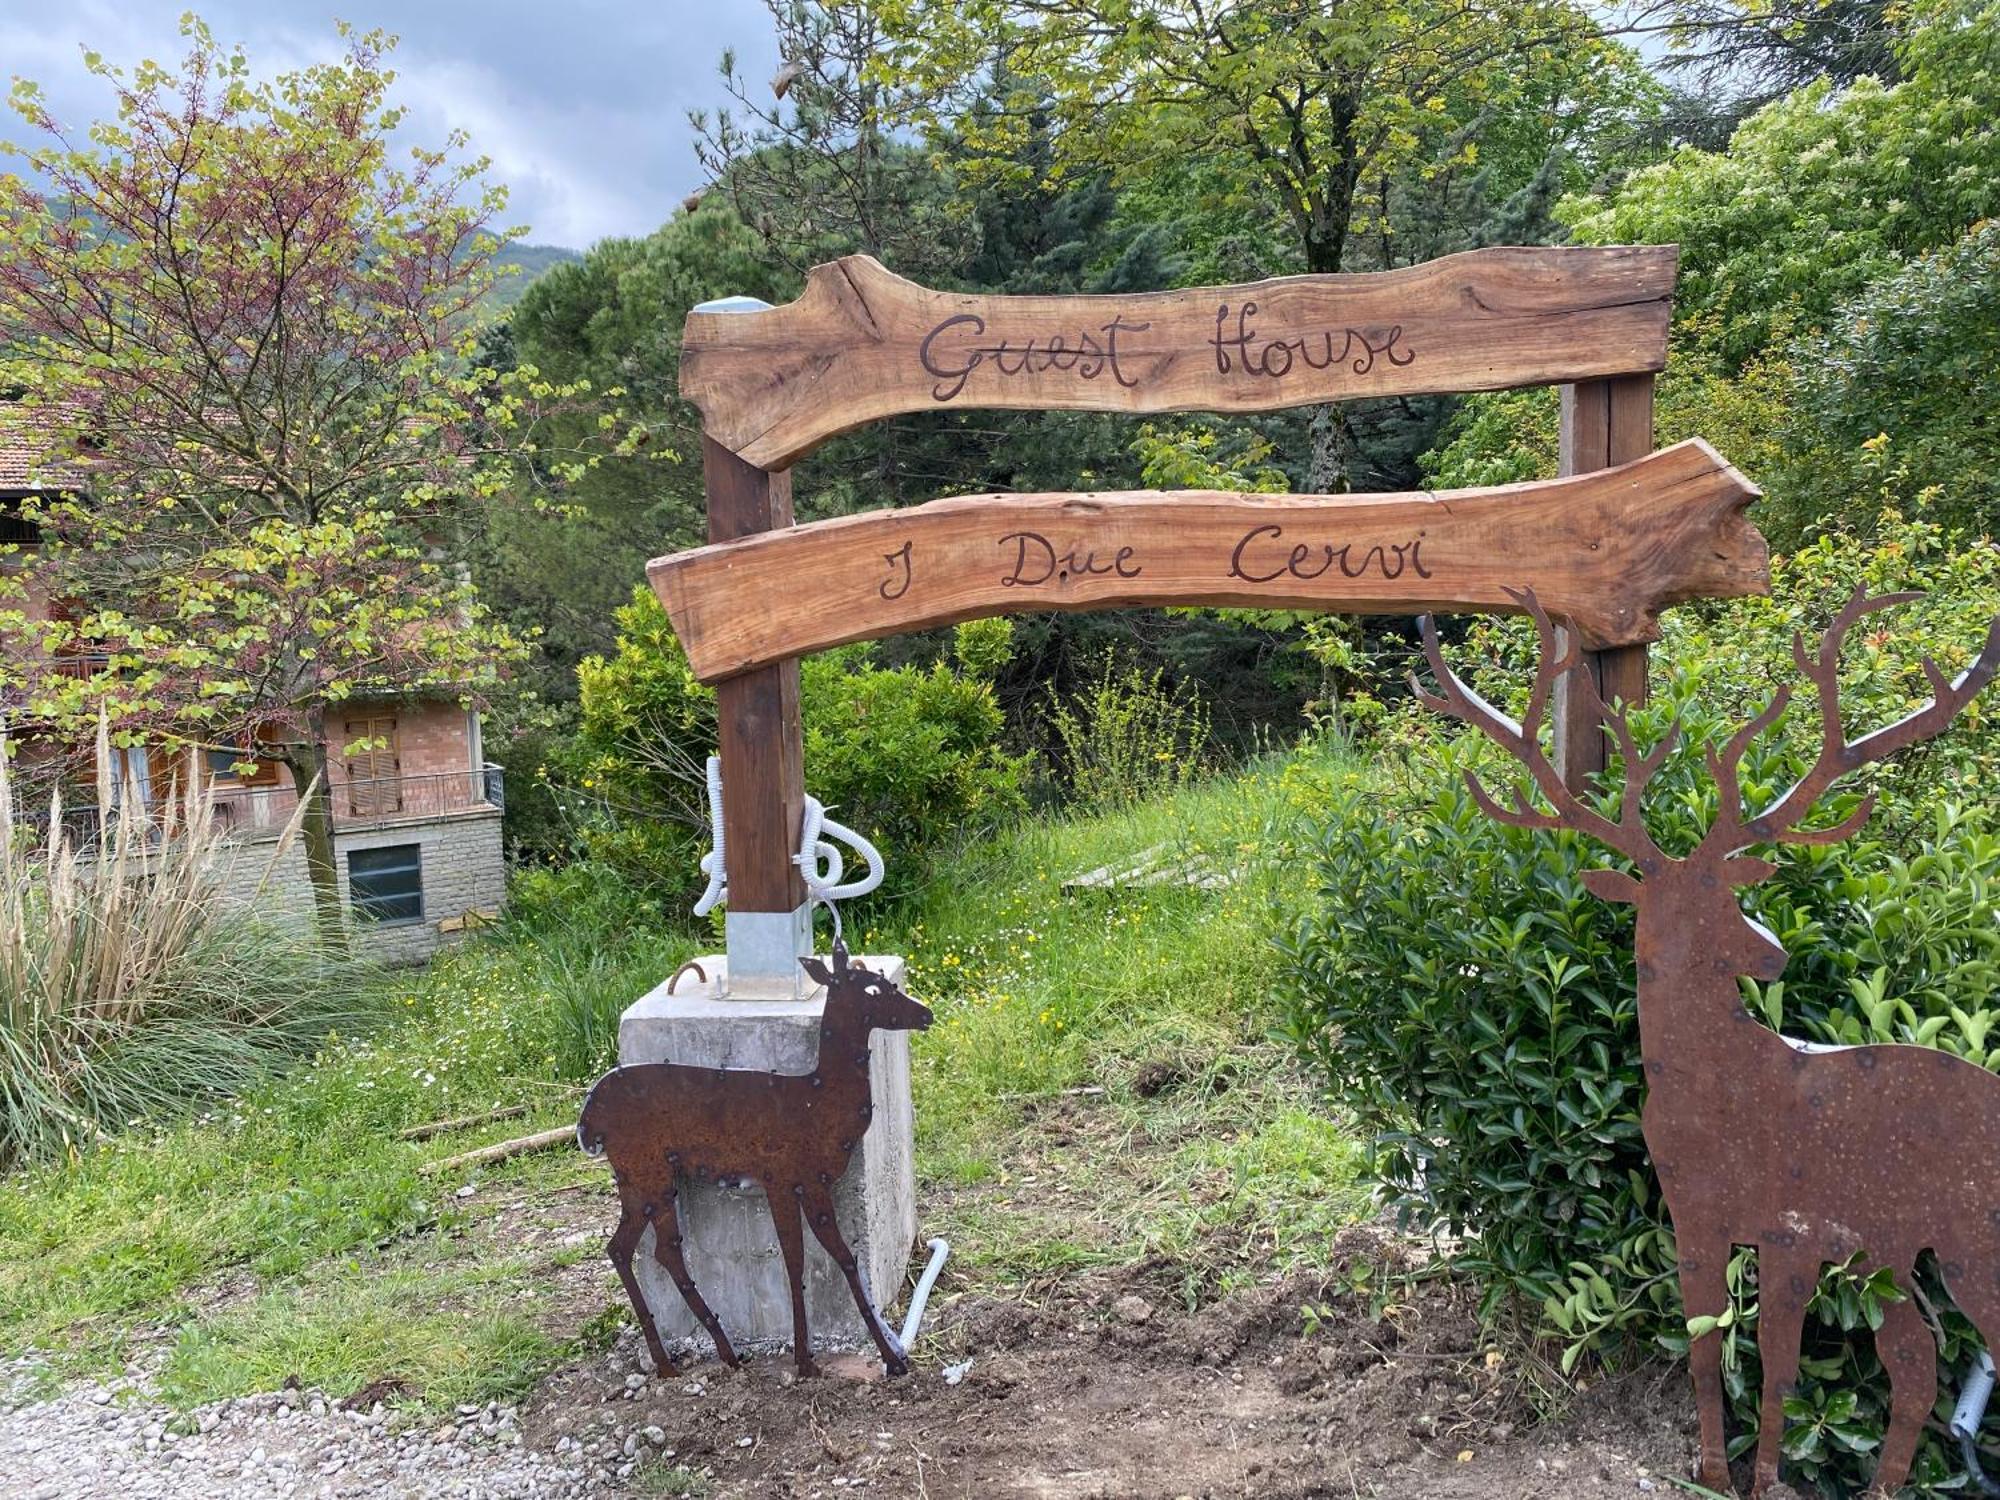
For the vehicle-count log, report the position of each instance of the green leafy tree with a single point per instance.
(818, 161)
(1332, 117)
(1833, 288)
(248, 326)
(1754, 51)
(1901, 380)
(609, 321)
(1826, 190)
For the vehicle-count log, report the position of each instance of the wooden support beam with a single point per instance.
(1605, 550)
(1604, 423)
(759, 736)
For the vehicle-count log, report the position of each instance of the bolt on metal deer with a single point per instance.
(660, 1124)
(1812, 1155)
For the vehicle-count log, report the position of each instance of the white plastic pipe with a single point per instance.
(826, 884)
(913, 1320)
(819, 861)
(712, 864)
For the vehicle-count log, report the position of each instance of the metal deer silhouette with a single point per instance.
(661, 1124)
(1810, 1154)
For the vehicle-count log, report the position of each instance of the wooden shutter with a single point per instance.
(373, 784)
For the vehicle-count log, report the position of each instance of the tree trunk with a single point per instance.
(307, 763)
(1328, 470)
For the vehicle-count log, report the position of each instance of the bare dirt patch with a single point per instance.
(1087, 1366)
(1088, 1397)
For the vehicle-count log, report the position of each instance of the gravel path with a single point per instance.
(111, 1442)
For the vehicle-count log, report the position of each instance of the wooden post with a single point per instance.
(761, 745)
(1604, 422)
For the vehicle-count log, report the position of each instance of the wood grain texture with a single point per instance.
(1606, 550)
(862, 343)
(758, 732)
(1604, 422)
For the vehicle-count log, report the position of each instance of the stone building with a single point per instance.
(416, 805)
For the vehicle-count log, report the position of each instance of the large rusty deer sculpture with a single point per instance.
(1810, 1154)
(791, 1134)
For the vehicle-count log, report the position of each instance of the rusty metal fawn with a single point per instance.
(1812, 1155)
(664, 1124)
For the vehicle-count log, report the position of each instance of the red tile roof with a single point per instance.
(24, 440)
(15, 459)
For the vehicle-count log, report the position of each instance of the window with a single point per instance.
(387, 885)
(374, 785)
(222, 766)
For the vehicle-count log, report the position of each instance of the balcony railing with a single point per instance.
(366, 800)
(360, 803)
(82, 663)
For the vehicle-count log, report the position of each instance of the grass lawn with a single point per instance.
(1099, 1089)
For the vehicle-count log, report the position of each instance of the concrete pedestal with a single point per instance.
(731, 1249)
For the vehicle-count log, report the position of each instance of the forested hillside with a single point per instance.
(519, 264)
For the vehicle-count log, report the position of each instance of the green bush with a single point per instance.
(1748, 416)
(1474, 1007)
(1836, 282)
(1825, 190)
(909, 756)
(1125, 736)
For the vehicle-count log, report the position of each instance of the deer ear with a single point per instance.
(819, 972)
(1747, 869)
(1611, 885)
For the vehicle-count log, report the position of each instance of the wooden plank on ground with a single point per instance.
(862, 343)
(1605, 550)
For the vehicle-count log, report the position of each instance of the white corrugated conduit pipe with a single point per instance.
(712, 862)
(913, 1320)
(825, 883)
(818, 860)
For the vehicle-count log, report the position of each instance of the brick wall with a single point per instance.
(463, 871)
(431, 739)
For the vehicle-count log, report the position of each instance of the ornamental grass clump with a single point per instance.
(129, 988)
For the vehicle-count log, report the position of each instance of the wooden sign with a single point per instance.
(1605, 550)
(863, 343)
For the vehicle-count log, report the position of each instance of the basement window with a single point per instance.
(387, 885)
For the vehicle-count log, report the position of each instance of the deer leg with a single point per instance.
(826, 1228)
(1909, 1353)
(1704, 1276)
(792, 1241)
(624, 1241)
(1785, 1284)
(668, 1252)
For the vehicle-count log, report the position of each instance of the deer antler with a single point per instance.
(1838, 755)
(1628, 833)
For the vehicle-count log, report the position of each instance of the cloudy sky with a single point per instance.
(582, 104)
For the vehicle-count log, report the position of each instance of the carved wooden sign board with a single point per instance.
(1607, 550)
(862, 343)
